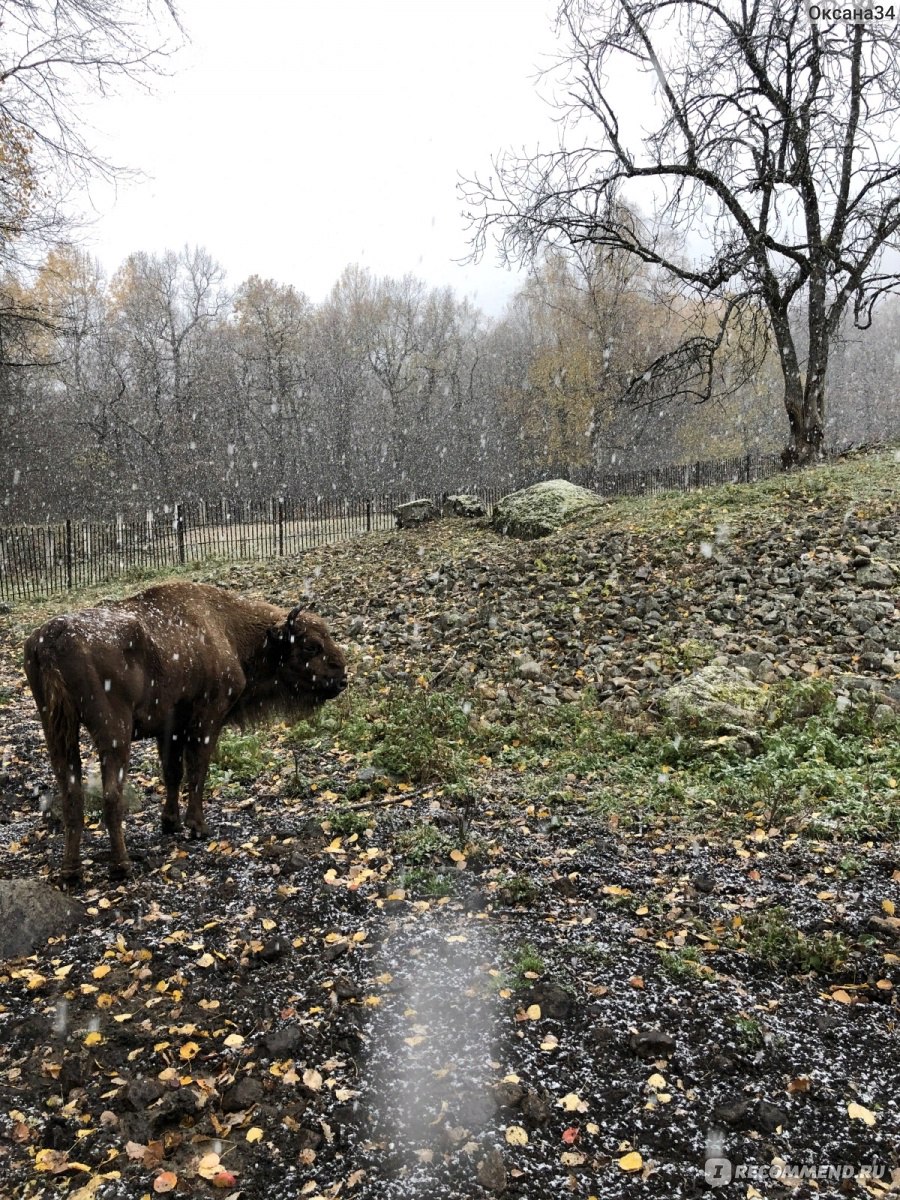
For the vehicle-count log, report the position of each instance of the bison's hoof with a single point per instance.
(119, 871)
(171, 825)
(197, 832)
(70, 879)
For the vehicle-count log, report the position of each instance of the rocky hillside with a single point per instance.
(588, 887)
(794, 578)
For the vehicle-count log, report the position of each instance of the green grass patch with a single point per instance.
(816, 763)
(682, 963)
(240, 757)
(348, 821)
(771, 937)
(423, 844)
(423, 882)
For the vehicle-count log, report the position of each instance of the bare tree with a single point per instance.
(271, 338)
(161, 307)
(770, 162)
(56, 56)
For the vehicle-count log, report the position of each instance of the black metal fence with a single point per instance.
(37, 560)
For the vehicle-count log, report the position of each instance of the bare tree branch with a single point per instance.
(771, 163)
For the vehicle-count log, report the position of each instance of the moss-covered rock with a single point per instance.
(543, 508)
(716, 700)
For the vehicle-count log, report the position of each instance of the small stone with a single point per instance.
(275, 948)
(140, 1094)
(243, 1095)
(555, 1002)
(508, 1095)
(738, 1114)
(491, 1172)
(308, 1139)
(652, 1043)
(529, 670)
(335, 950)
(877, 575)
(704, 882)
(281, 1043)
(536, 1108)
(769, 1117)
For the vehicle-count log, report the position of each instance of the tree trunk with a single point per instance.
(804, 399)
(805, 404)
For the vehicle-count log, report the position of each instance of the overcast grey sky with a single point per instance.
(296, 136)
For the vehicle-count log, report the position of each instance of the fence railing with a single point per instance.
(37, 560)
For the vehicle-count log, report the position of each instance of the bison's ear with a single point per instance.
(283, 635)
(293, 629)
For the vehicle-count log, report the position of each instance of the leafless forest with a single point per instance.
(162, 383)
(745, 301)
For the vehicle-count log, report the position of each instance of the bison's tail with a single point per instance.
(58, 712)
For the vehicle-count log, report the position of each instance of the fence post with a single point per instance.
(69, 555)
(746, 468)
(279, 511)
(368, 516)
(697, 466)
(179, 529)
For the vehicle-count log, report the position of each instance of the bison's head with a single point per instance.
(311, 665)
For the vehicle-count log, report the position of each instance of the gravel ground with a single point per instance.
(579, 1008)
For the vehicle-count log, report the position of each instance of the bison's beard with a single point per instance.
(274, 702)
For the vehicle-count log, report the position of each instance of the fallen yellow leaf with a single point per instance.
(856, 1112)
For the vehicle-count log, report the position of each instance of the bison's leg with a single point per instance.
(198, 752)
(171, 757)
(65, 758)
(114, 766)
(61, 723)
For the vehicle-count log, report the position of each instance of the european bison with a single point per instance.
(176, 662)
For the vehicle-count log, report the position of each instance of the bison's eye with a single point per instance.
(311, 646)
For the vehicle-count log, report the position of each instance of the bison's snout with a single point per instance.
(333, 685)
(331, 681)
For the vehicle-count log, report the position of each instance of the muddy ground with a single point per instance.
(544, 994)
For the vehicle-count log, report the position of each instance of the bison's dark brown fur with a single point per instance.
(176, 662)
